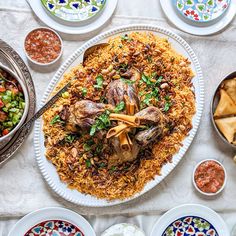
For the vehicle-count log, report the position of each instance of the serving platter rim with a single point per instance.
(52, 178)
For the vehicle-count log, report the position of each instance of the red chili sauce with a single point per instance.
(42, 45)
(209, 177)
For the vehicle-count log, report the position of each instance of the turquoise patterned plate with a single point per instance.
(201, 10)
(74, 10)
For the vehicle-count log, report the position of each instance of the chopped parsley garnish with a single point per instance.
(113, 168)
(152, 82)
(168, 103)
(126, 38)
(56, 119)
(70, 138)
(101, 165)
(84, 92)
(99, 80)
(119, 107)
(127, 81)
(86, 147)
(88, 163)
(149, 58)
(102, 122)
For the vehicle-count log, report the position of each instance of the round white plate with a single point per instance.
(76, 29)
(185, 25)
(190, 210)
(51, 213)
(49, 171)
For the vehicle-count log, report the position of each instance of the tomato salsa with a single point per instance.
(209, 176)
(12, 103)
(43, 45)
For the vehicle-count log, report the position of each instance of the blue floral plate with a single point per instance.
(190, 220)
(74, 10)
(201, 10)
(52, 221)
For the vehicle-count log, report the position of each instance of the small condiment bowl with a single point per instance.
(205, 193)
(48, 63)
(6, 138)
(214, 103)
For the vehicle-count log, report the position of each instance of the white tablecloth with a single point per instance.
(22, 188)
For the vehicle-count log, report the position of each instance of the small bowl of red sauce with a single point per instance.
(209, 177)
(43, 46)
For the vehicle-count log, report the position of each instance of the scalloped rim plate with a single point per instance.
(48, 170)
(51, 213)
(190, 210)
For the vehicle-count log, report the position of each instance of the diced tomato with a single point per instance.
(2, 89)
(15, 90)
(5, 132)
(3, 116)
(1, 103)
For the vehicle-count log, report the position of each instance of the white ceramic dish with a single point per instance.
(48, 170)
(204, 193)
(123, 229)
(190, 210)
(51, 213)
(5, 139)
(79, 29)
(196, 29)
(49, 63)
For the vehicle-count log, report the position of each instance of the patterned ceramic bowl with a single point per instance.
(52, 221)
(190, 225)
(201, 10)
(190, 220)
(74, 10)
(54, 228)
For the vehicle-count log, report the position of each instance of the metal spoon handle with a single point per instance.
(27, 125)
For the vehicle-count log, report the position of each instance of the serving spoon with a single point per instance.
(27, 125)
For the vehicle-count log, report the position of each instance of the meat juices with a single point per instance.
(209, 176)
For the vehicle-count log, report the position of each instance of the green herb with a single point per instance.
(86, 147)
(69, 138)
(102, 122)
(119, 107)
(84, 92)
(120, 46)
(126, 38)
(127, 81)
(147, 99)
(56, 119)
(113, 168)
(101, 165)
(99, 80)
(149, 58)
(88, 163)
(99, 148)
(168, 103)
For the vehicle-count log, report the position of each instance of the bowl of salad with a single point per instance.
(14, 104)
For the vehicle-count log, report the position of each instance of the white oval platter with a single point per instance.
(51, 213)
(190, 210)
(48, 170)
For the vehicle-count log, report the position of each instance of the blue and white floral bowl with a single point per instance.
(190, 225)
(201, 10)
(73, 10)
